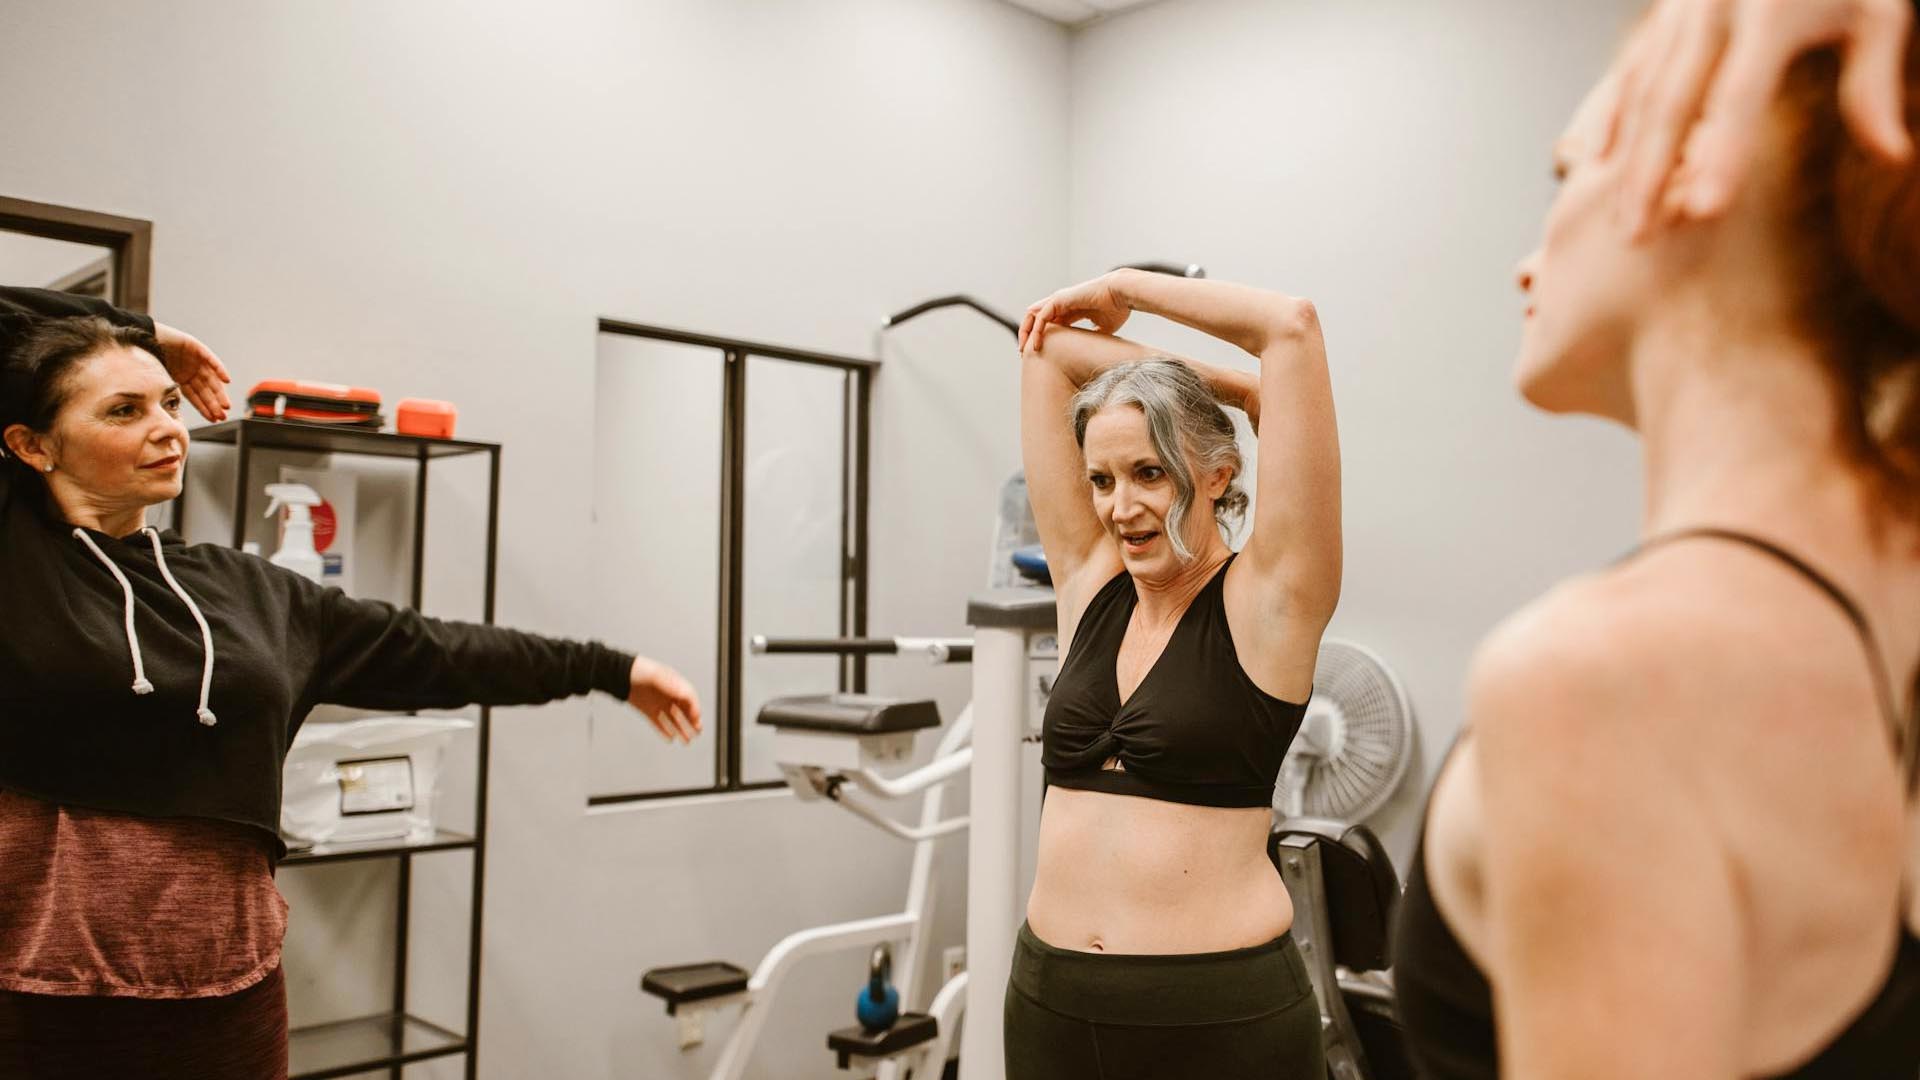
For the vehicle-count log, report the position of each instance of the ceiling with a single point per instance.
(1077, 12)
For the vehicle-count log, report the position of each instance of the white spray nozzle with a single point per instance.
(297, 496)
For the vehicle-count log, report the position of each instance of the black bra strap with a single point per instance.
(1904, 742)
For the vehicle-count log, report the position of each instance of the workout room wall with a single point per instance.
(439, 199)
(1390, 161)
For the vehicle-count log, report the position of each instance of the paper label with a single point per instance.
(375, 785)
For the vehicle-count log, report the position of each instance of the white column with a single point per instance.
(993, 842)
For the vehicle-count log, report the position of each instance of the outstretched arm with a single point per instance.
(371, 654)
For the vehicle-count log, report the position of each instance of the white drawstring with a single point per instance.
(206, 633)
(140, 683)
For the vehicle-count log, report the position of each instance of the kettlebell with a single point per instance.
(878, 1004)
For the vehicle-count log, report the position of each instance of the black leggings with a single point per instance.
(1247, 1014)
(241, 1036)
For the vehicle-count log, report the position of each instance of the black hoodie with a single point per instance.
(110, 699)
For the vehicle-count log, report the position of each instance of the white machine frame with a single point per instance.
(846, 769)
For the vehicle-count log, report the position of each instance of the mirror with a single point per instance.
(38, 262)
(78, 251)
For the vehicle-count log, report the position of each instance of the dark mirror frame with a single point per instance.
(130, 240)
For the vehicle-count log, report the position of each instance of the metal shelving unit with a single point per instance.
(396, 1038)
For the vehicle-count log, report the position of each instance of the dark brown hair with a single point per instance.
(1859, 226)
(36, 374)
(1859, 220)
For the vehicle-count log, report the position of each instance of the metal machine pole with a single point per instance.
(1005, 623)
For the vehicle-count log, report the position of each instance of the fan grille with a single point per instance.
(1355, 690)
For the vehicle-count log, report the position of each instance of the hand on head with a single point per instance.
(202, 377)
(1700, 76)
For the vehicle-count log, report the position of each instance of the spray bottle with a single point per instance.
(296, 552)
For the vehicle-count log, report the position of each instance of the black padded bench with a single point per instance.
(687, 984)
(911, 1030)
(1361, 891)
(849, 714)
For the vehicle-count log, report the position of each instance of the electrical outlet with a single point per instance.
(953, 961)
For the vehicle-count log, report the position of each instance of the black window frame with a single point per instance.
(856, 442)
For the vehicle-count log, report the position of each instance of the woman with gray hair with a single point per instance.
(1157, 936)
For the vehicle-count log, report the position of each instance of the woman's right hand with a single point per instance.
(1101, 302)
(666, 698)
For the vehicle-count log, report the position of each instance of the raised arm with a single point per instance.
(1057, 365)
(1295, 547)
(18, 303)
(1080, 557)
(201, 375)
(1084, 354)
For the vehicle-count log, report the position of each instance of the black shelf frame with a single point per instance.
(398, 1040)
(397, 1037)
(441, 840)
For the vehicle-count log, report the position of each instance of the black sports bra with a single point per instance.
(1446, 1005)
(1196, 730)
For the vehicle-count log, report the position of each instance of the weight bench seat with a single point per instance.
(1362, 889)
(685, 984)
(849, 714)
(909, 1031)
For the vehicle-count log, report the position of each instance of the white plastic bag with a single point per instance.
(365, 780)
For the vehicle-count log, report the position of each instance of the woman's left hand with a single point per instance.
(200, 374)
(1100, 302)
(666, 698)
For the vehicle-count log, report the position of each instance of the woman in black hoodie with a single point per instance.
(148, 692)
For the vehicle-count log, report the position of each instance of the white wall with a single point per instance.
(1389, 160)
(439, 198)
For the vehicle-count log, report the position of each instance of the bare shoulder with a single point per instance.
(1585, 665)
(1704, 665)
(1683, 756)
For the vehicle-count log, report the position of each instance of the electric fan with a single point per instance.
(1355, 743)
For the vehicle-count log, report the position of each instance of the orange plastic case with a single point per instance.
(315, 403)
(426, 418)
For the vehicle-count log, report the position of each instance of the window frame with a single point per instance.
(856, 441)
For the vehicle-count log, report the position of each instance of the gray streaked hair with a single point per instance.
(1191, 433)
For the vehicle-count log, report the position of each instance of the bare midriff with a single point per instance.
(1124, 874)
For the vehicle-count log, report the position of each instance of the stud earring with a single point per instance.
(49, 468)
